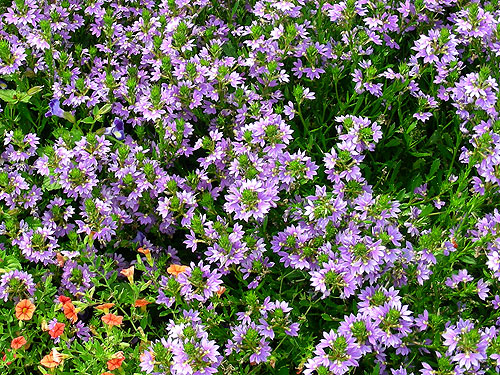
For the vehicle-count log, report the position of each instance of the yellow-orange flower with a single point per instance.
(176, 269)
(146, 252)
(112, 319)
(129, 273)
(105, 307)
(18, 342)
(25, 309)
(52, 360)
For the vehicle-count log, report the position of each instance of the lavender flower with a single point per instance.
(17, 284)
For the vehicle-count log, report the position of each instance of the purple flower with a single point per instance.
(337, 352)
(116, 130)
(466, 344)
(147, 361)
(482, 289)
(16, 283)
(251, 199)
(422, 321)
(55, 110)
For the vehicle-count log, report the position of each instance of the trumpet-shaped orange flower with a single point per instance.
(141, 303)
(221, 291)
(129, 273)
(112, 319)
(176, 269)
(52, 360)
(70, 311)
(25, 309)
(116, 361)
(144, 251)
(18, 342)
(57, 330)
(105, 307)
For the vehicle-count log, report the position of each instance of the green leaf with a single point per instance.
(48, 186)
(412, 126)
(326, 317)
(467, 259)
(434, 167)
(9, 263)
(9, 96)
(393, 142)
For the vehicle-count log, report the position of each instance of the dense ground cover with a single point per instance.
(249, 187)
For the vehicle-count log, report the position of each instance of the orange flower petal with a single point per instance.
(25, 309)
(176, 269)
(105, 306)
(60, 259)
(129, 273)
(70, 312)
(144, 251)
(51, 360)
(112, 319)
(18, 342)
(115, 363)
(221, 291)
(141, 303)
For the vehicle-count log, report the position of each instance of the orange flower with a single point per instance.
(129, 273)
(18, 342)
(146, 252)
(51, 360)
(141, 303)
(70, 311)
(25, 309)
(176, 269)
(221, 291)
(105, 307)
(57, 330)
(115, 361)
(112, 319)
(106, 373)
(60, 259)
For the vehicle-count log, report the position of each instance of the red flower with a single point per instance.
(64, 299)
(57, 330)
(18, 342)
